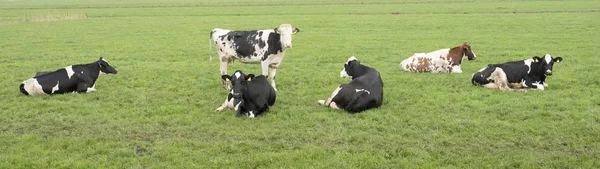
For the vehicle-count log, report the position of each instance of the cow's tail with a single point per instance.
(22, 88)
(210, 42)
(353, 105)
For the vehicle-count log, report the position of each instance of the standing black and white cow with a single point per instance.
(265, 46)
(365, 91)
(75, 78)
(250, 96)
(511, 76)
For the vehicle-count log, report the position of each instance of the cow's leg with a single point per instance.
(501, 81)
(223, 68)
(84, 83)
(273, 73)
(91, 89)
(491, 85)
(328, 102)
(82, 87)
(224, 105)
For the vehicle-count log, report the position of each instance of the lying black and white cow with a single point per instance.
(249, 96)
(264, 46)
(75, 78)
(511, 76)
(365, 91)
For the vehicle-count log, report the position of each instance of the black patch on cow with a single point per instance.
(22, 88)
(244, 42)
(274, 42)
(482, 77)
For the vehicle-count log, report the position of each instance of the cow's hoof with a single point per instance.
(321, 102)
(219, 109)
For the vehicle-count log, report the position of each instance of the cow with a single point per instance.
(265, 46)
(439, 61)
(512, 76)
(79, 78)
(364, 92)
(250, 95)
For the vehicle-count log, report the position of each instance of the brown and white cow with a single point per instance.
(266, 47)
(439, 61)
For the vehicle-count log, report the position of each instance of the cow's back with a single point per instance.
(515, 71)
(434, 62)
(259, 87)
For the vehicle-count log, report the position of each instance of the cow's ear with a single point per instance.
(226, 77)
(249, 77)
(101, 58)
(536, 59)
(557, 59)
(295, 31)
(276, 30)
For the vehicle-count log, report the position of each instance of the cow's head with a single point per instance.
(546, 63)
(238, 82)
(286, 31)
(350, 68)
(105, 68)
(466, 47)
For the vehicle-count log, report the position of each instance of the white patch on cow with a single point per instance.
(55, 88)
(236, 106)
(363, 90)
(344, 74)
(250, 114)
(237, 75)
(351, 59)
(528, 64)
(333, 105)
(524, 84)
(538, 85)
(33, 87)
(89, 89)
(100, 72)
(70, 71)
(456, 69)
(481, 70)
(548, 58)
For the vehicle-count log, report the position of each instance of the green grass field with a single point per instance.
(157, 112)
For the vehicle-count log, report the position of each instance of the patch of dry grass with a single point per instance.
(47, 18)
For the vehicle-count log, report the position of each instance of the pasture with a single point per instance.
(157, 112)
